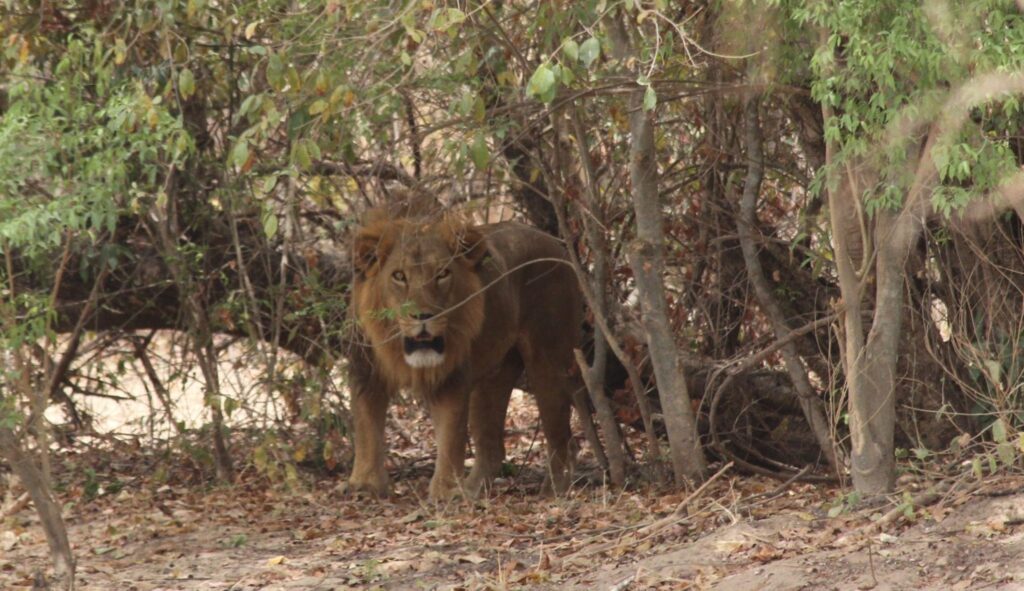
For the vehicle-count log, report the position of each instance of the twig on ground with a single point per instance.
(922, 499)
(871, 564)
(679, 512)
(654, 528)
(624, 583)
(778, 491)
(16, 507)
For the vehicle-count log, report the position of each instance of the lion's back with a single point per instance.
(544, 286)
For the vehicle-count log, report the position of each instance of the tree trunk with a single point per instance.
(810, 401)
(166, 230)
(647, 259)
(871, 362)
(872, 374)
(49, 512)
(870, 377)
(592, 286)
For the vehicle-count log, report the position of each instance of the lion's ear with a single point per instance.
(370, 249)
(472, 245)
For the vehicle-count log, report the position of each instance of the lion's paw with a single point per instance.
(444, 491)
(477, 484)
(364, 488)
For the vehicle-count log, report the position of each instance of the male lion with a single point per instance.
(457, 313)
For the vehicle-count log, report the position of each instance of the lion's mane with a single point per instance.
(381, 238)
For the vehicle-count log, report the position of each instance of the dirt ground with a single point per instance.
(135, 528)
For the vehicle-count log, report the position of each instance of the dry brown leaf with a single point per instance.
(471, 558)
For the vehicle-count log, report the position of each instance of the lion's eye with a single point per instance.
(398, 276)
(444, 274)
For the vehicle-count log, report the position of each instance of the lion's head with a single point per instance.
(417, 295)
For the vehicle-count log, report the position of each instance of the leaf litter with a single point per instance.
(738, 532)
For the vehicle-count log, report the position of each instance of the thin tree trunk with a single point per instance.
(592, 286)
(647, 260)
(48, 510)
(206, 356)
(598, 244)
(615, 448)
(870, 357)
(810, 403)
(870, 391)
(166, 232)
(162, 394)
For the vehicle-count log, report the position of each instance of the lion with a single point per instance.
(456, 314)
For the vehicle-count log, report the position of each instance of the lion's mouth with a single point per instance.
(423, 350)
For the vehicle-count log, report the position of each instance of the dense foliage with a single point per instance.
(196, 166)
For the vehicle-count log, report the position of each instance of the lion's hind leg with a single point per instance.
(488, 406)
(555, 404)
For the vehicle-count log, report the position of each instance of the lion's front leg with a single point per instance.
(369, 410)
(449, 411)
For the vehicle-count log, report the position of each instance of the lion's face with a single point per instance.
(416, 286)
(415, 291)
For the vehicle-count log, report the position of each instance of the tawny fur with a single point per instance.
(376, 317)
(511, 306)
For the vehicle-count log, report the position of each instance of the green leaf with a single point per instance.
(650, 99)
(999, 431)
(1007, 453)
(304, 152)
(248, 104)
(240, 153)
(567, 76)
(479, 152)
(318, 106)
(995, 370)
(270, 225)
(571, 49)
(455, 16)
(186, 83)
(314, 149)
(275, 72)
(542, 84)
(590, 51)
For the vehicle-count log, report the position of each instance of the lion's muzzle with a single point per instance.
(423, 350)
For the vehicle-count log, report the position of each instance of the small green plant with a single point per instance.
(91, 487)
(276, 459)
(844, 504)
(369, 571)
(405, 309)
(906, 506)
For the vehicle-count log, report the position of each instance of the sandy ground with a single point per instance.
(240, 538)
(251, 536)
(147, 519)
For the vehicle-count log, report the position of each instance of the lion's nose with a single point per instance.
(422, 317)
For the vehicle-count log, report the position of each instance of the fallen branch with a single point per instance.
(918, 501)
(779, 490)
(680, 509)
(16, 507)
(927, 498)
